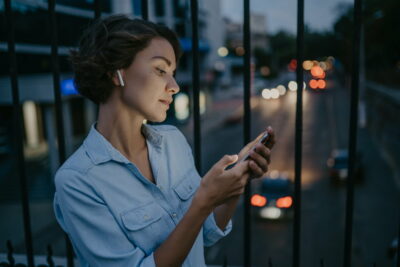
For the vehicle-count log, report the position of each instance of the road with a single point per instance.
(325, 126)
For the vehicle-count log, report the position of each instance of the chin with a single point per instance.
(159, 118)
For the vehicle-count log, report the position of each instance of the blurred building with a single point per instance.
(35, 68)
(233, 62)
(258, 32)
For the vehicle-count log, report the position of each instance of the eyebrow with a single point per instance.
(163, 58)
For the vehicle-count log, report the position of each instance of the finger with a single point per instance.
(261, 161)
(272, 141)
(241, 168)
(264, 152)
(255, 169)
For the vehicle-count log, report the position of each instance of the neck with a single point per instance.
(122, 129)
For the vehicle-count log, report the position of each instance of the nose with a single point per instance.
(172, 86)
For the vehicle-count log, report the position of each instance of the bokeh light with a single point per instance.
(293, 86)
(274, 93)
(265, 71)
(321, 84)
(223, 51)
(281, 89)
(313, 84)
(181, 105)
(317, 71)
(266, 93)
(239, 51)
(307, 65)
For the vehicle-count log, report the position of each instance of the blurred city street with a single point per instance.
(337, 48)
(323, 204)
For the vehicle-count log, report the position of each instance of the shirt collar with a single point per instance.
(101, 150)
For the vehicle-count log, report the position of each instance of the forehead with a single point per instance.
(159, 47)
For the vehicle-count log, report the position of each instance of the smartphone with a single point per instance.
(265, 140)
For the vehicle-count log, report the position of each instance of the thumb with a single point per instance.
(227, 160)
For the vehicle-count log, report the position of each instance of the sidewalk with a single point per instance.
(383, 105)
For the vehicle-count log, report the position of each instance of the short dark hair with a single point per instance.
(110, 44)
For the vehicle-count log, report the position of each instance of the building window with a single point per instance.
(179, 8)
(180, 29)
(159, 8)
(137, 7)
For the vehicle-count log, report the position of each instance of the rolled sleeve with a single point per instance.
(212, 233)
(96, 236)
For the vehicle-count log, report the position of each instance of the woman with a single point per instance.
(130, 195)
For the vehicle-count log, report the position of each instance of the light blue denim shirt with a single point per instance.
(114, 216)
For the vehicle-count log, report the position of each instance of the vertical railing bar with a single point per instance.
(145, 10)
(58, 107)
(299, 133)
(398, 246)
(18, 134)
(355, 80)
(196, 83)
(246, 127)
(97, 9)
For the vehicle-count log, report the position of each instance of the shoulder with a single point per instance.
(74, 170)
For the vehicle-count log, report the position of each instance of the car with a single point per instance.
(338, 166)
(274, 199)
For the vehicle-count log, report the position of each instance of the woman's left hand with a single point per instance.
(260, 157)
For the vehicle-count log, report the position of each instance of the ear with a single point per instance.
(117, 78)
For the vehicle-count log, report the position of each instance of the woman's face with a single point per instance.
(149, 82)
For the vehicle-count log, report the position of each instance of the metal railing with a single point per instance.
(197, 126)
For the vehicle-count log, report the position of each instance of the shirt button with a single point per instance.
(145, 217)
(160, 187)
(174, 215)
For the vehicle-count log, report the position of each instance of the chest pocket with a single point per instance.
(186, 188)
(145, 226)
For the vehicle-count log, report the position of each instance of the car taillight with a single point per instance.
(284, 202)
(258, 200)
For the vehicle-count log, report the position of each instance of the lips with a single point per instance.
(166, 102)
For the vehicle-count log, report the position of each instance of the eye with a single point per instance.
(160, 71)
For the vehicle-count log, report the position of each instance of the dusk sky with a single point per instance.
(281, 14)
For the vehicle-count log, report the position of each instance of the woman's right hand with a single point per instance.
(219, 185)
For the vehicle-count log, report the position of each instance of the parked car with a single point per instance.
(274, 199)
(338, 167)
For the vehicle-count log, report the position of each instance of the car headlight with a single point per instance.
(343, 174)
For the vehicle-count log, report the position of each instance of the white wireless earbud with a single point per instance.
(121, 81)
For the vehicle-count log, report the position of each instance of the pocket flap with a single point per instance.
(186, 187)
(141, 217)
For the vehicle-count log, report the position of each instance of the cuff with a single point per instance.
(212, 233)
